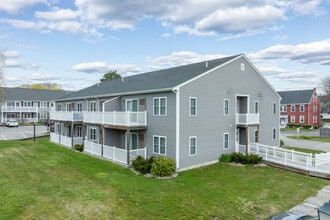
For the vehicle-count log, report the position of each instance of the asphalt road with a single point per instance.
(21, 132)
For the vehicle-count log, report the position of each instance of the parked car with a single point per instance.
(292, 216)
(12, 123)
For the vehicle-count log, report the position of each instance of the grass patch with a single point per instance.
(311, 138)
(40, 180)
(304, 150)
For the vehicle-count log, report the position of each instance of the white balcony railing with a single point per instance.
(66, 116)
(18, 109)
(116, 118)
(247, 119)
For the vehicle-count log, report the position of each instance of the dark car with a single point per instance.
(292, 216)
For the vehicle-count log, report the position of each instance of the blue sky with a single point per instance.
(74, 42)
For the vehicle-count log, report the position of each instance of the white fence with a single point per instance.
(65, 140)
(113, 153)
(309, 162)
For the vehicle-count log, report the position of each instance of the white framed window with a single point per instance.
(43, 115)
(192, 145)
(314, 119)
(302, 119)
(242, 66)
(302, 108)
(192, 106)
(226, 106)
(160, 106)
(131, 105)
(79, 106)
(59, 107)
(293, 108)
(92, 134)
(283, 108)
(274, 107)
(226, 141)
(274, 133)
(27, 104)
(93, 106)
(79, 131)
(43, 104)
(68, 107)
(293, 119)
(256, 107)
(159, 145)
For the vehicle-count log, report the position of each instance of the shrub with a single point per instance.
(79, 147)
(245, 159)
(142, 165)
(163, 166)
(225, 158)
(281, 143)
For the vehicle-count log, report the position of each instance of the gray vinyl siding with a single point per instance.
(158, 125)
(210, 123)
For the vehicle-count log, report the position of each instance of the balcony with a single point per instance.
(18, 109)
(124, 119)
(66, 116)
(247, 119)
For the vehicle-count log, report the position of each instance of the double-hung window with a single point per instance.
(274, 107)
(160, 106)
(92, 134)
(274, 133)
(93, 106)
(256, 107)
(79, 106)
(301, 119)
(79, 131)
(293, 108)
(302, 108)
(192, 146)
(159, 144)
(192, 106)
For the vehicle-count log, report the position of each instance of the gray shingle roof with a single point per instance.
(23, 94)
(296, 97)
(155, 80)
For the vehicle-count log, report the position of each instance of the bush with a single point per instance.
(142, 165)
(225, 158)
(79, 147)
(281, 143)
(163, 166)
(245, 159)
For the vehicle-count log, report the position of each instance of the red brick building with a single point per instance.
(300, 107)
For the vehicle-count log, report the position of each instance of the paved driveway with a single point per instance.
(21, 132)
(314, 145)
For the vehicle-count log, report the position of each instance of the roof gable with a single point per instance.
(296, 97)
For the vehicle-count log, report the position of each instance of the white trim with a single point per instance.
(110, 100)
(90, 106)
(294, 108)
(192, 137)
(153, 106)
(292, 117)
(153, 144)
(207, 72)
(248, 102)
(177, 128)
(303, 119)
(242, 66)
(190, 98)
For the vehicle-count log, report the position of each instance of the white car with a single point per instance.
(12, 123)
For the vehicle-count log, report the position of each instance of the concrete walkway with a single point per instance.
(309, 205)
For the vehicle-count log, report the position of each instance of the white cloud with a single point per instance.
(103, 67)
(22, 65)
(13, 6)
(314, 52)
(57, 14)
(11, 54)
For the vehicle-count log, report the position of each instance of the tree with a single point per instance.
(112, 74)
(45, 86)
(326, 85)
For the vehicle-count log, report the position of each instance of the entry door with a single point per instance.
(131, 108)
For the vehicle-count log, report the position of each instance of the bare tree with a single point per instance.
(326, 97)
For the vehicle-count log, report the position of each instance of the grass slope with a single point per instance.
(44, 181)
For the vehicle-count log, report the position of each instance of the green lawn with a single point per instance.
(304, 150)
(44, 181)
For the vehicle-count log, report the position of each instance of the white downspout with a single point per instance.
(177, 127)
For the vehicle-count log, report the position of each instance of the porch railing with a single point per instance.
(112, 152)
(247, 119)
(66, 116)
(18, 109)
(116, 118)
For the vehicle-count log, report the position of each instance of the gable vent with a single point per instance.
(206, 64)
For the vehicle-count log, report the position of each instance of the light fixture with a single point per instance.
(229, 92)
(259, 94)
